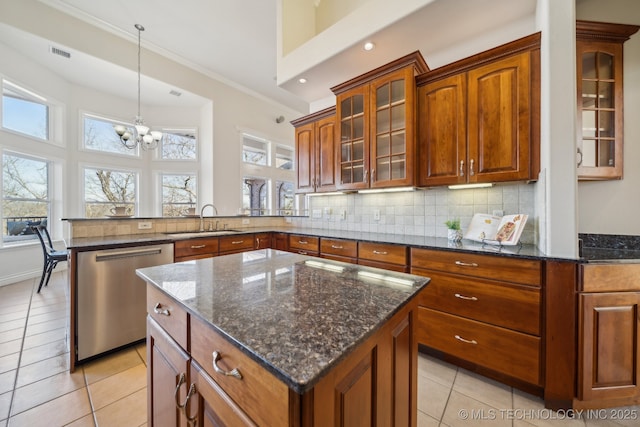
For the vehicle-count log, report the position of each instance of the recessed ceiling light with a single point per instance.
(369, 46)
(302, 80)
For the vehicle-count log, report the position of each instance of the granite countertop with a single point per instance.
(296, 315)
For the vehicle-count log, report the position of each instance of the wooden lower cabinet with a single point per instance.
(384, 255)
(609, 343)
(339, 249)
(186, 250)
(236, 243)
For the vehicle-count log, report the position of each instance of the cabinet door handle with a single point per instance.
(187, 412)
(157, 309)
(466, 264)
(303, 252)
(373, 175)
(461, 167)
(336, 247)
(181, 380)
(471, 172)
(380, 252)
(366, 174)
(198, 246)
(465, 297)
(303, 242)
(237, 242)
(257, 242)
(232, 373)
(459, 338)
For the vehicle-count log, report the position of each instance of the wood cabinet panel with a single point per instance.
(190, 249)
(252, 388)
(169, 315)
(383, 253)
(316, 152)
(236, 243)
(502, 350)
(523, 271)
(609, 345)
(307, 245)
(339, 247)
(506, 305)
(263, 240)
(610, 277)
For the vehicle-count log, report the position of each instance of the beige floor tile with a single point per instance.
(530, 409)
(57, 412)
(86, 421)
(487, 391)
(18, 306)
(42, 391)
(436, 370)
(464, 411)
(425, 420)
(9, 362)
(129, 411)
(50, 316)
(142, 352)
(62, 305)
(14, 315)
(612, 417)
(7, 380)
(38, 328)
(5, 403)
(10, 347)
(41, 352)
(12, 324)
(115, 387)
(10, 335)
(43, 369)
(45, 338)
(432, 397)
(111, 364)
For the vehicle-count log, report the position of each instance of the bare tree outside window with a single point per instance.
(178, 145)
(105, 189)
(100, 136)
(178, 194)
(285, 198)
(25, 195)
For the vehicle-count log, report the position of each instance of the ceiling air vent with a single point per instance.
(60, 52)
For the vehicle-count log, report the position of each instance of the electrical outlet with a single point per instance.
(343, 214)
(376, 214)
(146, 225)
(246, 221)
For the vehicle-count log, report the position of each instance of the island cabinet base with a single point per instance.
(375, 384)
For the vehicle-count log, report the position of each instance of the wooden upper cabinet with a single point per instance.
(599, 48)
(315, 152)
(478, 118)
(376, 124)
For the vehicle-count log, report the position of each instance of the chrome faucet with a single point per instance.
(202, 218)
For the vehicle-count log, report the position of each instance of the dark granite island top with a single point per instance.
(297, 316)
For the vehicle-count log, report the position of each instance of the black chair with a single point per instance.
(51, 256)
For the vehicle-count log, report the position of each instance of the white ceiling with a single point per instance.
(235, 41)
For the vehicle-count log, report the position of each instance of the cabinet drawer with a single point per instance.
(610, 277)
(502, 350)
(510, 306)
(194, 247)
(304, 244)
(238, 243)
(343, 248)
(168, 314)
(525, 271)
(248, 392)
(381, 252)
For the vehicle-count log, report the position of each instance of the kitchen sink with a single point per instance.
(192, 234)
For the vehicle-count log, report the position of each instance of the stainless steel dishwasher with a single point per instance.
(111, 298)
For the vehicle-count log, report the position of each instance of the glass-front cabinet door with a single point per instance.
(353, 155)
(392, 107)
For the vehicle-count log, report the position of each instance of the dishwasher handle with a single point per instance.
(100, 257)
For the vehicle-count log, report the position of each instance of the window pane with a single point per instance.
(284, 158)
(178, 194)
(99, 135)
(25, 196)
(24, 113)
(254, 196)
(178, 145)
(285, 198)
(105, 189)
(254, 151)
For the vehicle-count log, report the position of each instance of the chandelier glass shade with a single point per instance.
(140, 134)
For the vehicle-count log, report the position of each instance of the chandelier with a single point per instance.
(142, 135)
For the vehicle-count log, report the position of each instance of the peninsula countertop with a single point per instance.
(296, 315)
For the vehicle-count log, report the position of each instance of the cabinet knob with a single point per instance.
(157, 309)
(461, 167)
(232, 373)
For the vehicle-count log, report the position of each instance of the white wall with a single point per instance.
(612, 207)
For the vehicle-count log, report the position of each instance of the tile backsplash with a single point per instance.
(420, 212)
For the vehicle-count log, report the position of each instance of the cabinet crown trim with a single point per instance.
(327, 112)
(604, 31)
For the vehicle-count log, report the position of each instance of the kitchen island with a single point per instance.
(274, 338)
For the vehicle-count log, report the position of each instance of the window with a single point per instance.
(178, 194)
(99, 135)
(285, 198)
(25, 195)
(106, 189)
(254, 196)
(24, 111)
(284, 157)
(178, 145)
(255, 150)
